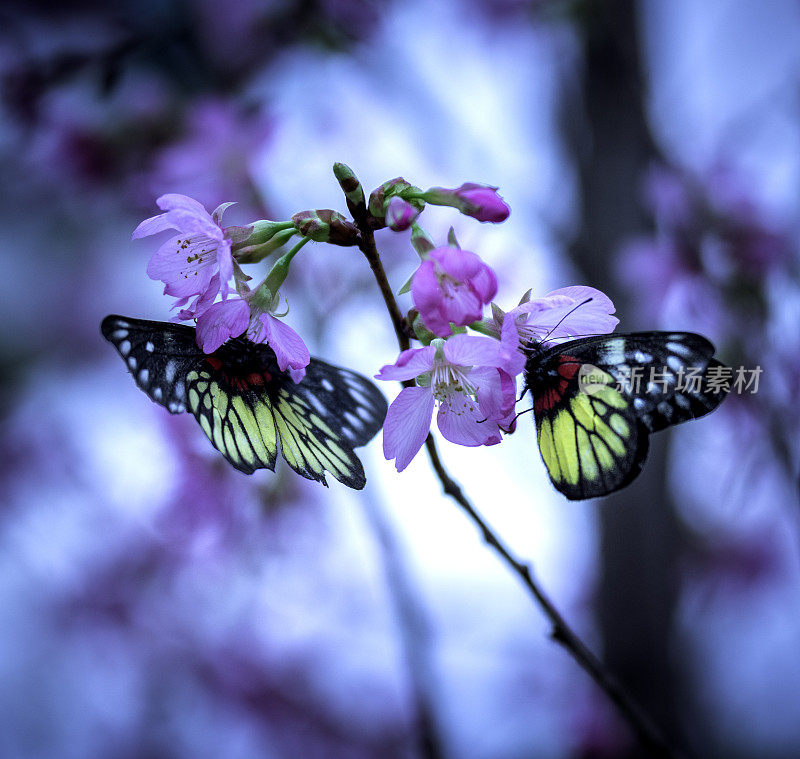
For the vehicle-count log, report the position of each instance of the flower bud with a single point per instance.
(349, 183)
(480, 201)
(380, 197)
(400, 214)
(325, 225)
(252, 254)
(263, 231)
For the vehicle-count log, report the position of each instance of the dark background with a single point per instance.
(155, 603)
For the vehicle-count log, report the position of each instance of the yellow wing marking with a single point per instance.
(206, 425)
(230, 447)
(286, 441)
(220, 399)
(603, 454)
(564, 437)
(610, 397)
(619, 425)
(317, 422)
(266, 426)
(331, 455)
(547, 449)
(584, 412)
(241, 439)
(251, 429)
(588, 463)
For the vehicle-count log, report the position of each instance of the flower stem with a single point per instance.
(641, 724)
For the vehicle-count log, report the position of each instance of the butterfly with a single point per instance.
(594, 417)
(247, 406)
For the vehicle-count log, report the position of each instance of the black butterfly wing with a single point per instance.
(594, 439)
(247, 407)
(159, 356)
(680, 363)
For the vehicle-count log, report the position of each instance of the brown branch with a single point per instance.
(647, 733)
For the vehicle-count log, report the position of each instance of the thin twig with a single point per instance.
(641, 724)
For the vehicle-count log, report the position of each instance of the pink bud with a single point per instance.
(400, 214)
(482, 202)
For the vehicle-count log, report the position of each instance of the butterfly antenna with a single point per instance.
(514, 420)
(572, 310)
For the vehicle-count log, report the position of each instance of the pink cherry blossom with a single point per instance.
(452, 286)
(197, 262)
(464, 375)
(566, 312)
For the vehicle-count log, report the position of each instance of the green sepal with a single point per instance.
(406, 288)
(424, 335)
(421, 241)
(252, 254)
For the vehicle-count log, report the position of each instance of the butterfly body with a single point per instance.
(596, 404)
(247, 406)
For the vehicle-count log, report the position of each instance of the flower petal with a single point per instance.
(221, 321)
(173, 201)
(472, 350)
(152, 226)
(407, 424)
(290, 350)
(468, 426)
(216, 214)
(459, 264)
(410, 363)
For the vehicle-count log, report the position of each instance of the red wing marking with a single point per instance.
(567, 369)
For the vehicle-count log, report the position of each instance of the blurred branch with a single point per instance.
(561, 632)
(414, 632)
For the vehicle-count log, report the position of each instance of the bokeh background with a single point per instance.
(155, 603)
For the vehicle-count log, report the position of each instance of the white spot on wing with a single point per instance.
(119, 334)
(679, 348)
(615, 352)
(125, 347)
(180, 390)
(358, 396)
(640, 357)
(327, 385)
(353, 419)
(364, 413)
(144, 375)
(318, 405)
(132, 362)
(674, 363)
(169, 371)
(149, 347)
(157, 394)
